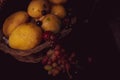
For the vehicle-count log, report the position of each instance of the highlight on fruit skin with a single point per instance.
(15, 19)
(26, 36)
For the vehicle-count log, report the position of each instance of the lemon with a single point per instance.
(26, 36)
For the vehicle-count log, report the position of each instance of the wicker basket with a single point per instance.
(28, 55)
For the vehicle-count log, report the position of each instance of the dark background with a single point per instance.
(94, 39)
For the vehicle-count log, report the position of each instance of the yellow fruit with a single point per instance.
(13, 21)
(25, 36)
(36, 7)
(59, 11)
(51, 23)
(58, 1)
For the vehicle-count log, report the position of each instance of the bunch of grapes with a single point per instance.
(57, 61)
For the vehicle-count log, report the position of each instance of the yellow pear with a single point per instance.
(36, 8)
(51, 23)
(59, 11)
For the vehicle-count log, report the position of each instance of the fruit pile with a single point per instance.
(27, 29)
(43, 22)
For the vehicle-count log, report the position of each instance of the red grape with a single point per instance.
(50, 52)
(57, 47)
(54, 64)
(58, 60)
(46, 35)
(53, 58)
(55, 72)
(49, 62)
(44, 60)
(57, 53)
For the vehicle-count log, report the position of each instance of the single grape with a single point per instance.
(44, 12)
(46, 35)
(62, 66)
(48, 67)
(53, 58)
(57, 53)
(50, 52)
(67, 67)
(55, 72)
(57, 47)
(59, 68)
(54, 64)
(53, 37)
(38, 23)
(59, 61)
(49, 62)
(44, 60)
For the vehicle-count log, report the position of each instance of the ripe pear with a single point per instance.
(37, 8)
(59, 11)
(51, 23)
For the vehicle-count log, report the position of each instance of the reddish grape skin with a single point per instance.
(49, 36)
(67, 67)
(50, 52)
(59, 62)
(57, 47)
(52, 37)
(53, 58)
(57, 53)
(49, 62)
(55, 72)
(44, 60)
(46, 35)
(54, 65)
